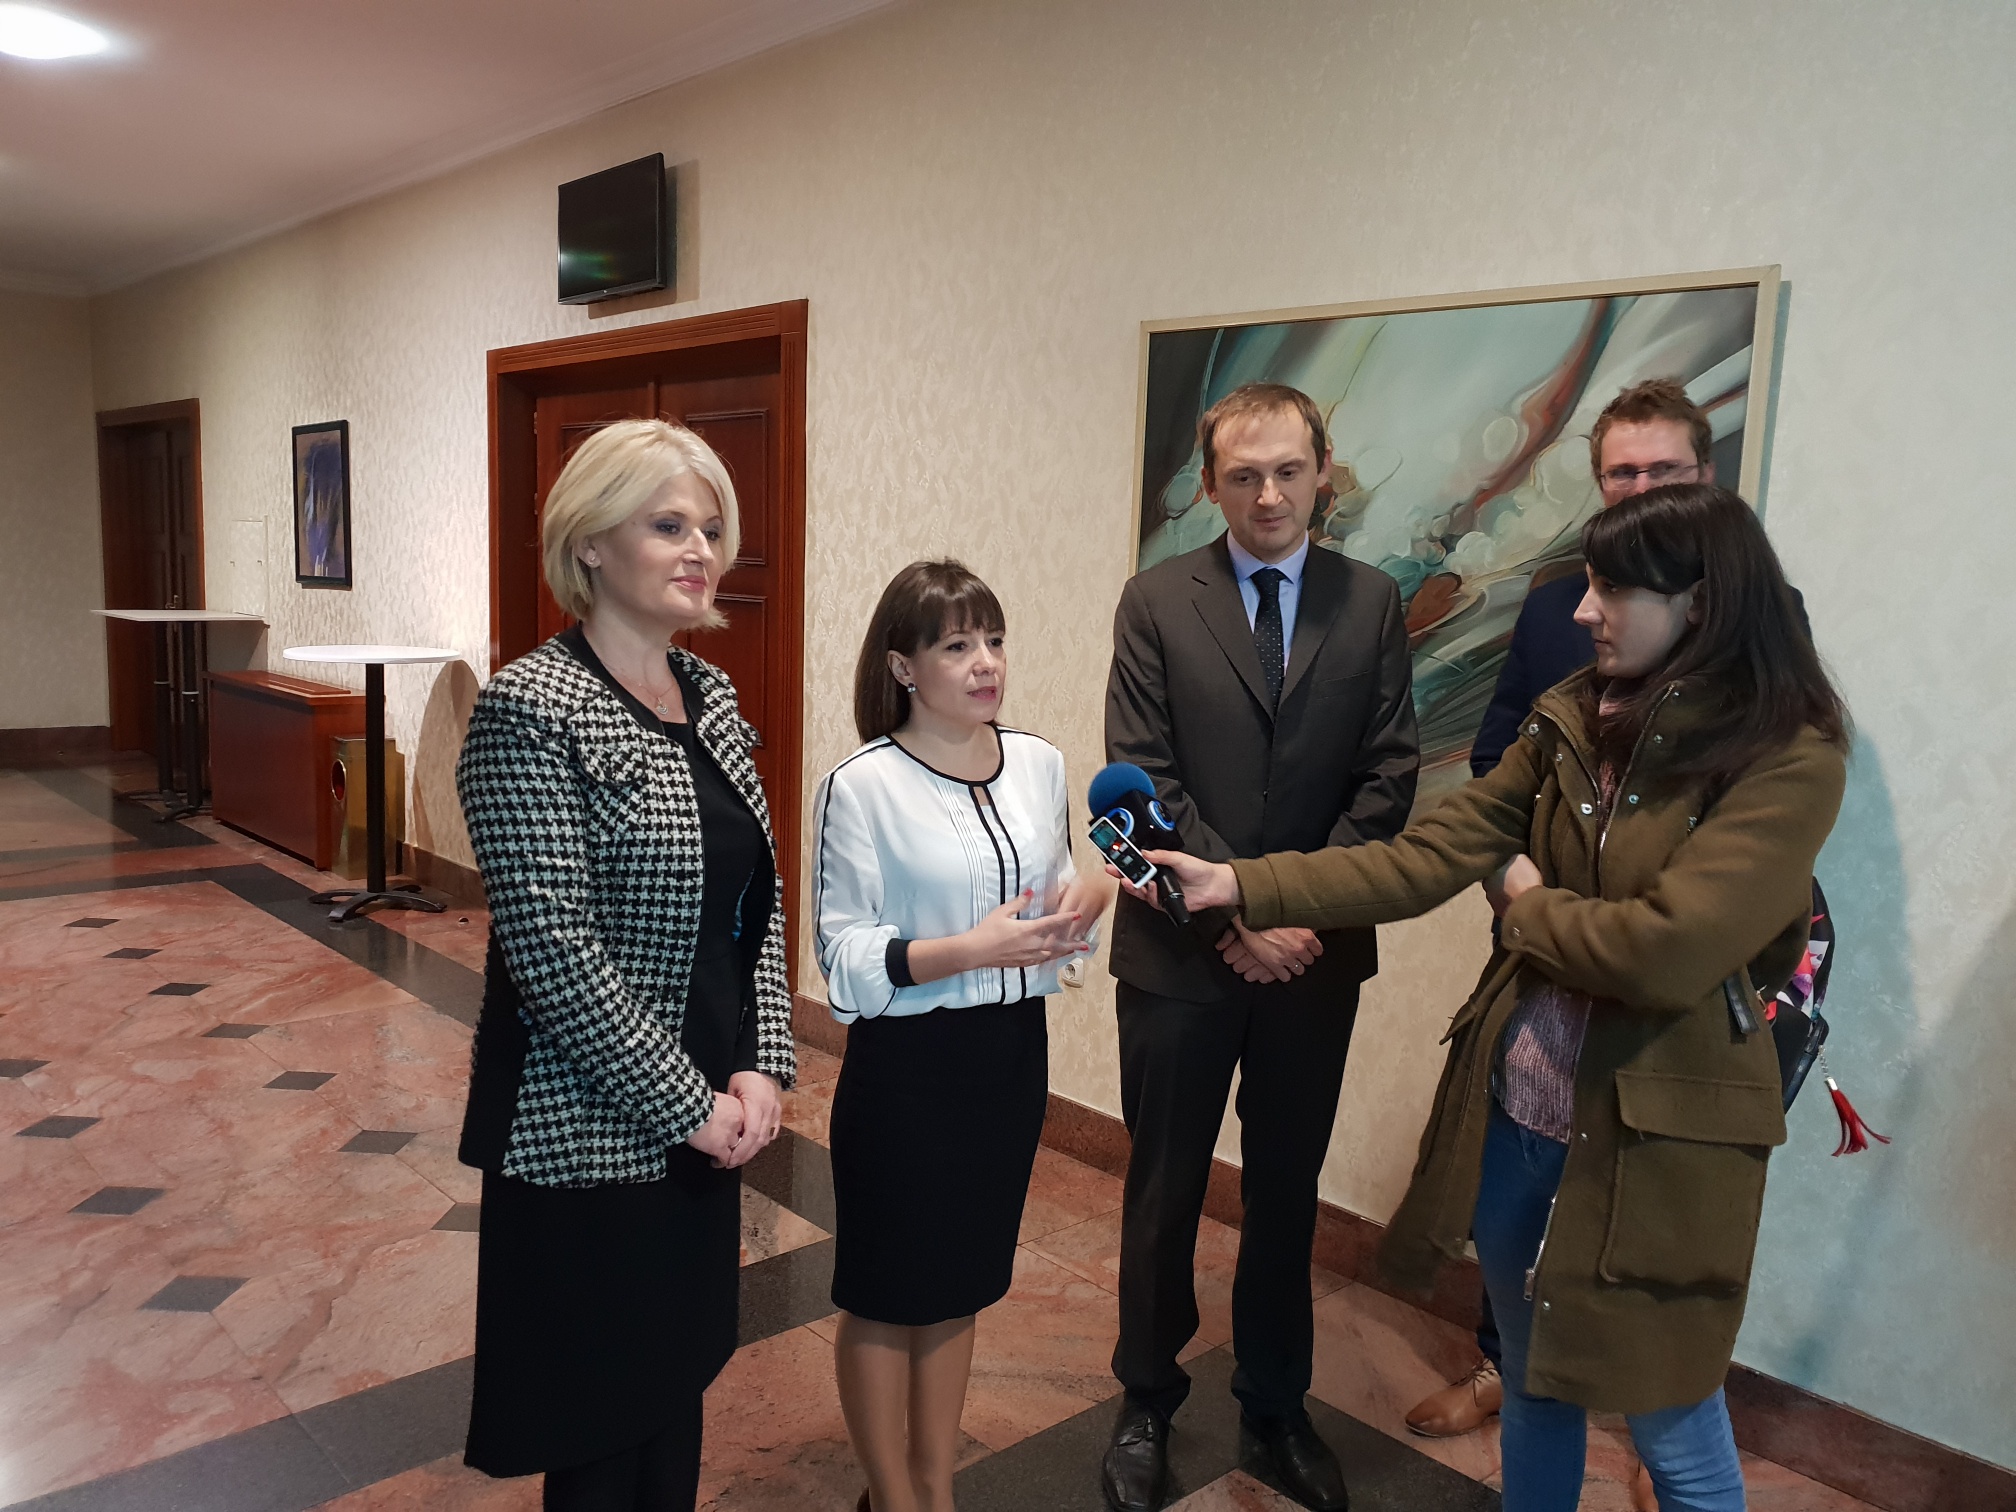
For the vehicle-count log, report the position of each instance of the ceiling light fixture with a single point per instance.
(29, 31)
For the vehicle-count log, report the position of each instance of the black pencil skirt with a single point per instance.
(934, 1132)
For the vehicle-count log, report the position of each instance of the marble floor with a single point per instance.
(237, 1255)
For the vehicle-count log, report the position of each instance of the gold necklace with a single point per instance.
(657, 700)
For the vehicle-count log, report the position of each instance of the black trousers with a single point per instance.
(1176, 1064)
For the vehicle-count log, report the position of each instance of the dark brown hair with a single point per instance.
(1654, 399)
(1750, 659)
(1249, 401)
(923, 604)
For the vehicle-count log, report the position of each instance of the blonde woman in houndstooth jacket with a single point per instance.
(636, 1026)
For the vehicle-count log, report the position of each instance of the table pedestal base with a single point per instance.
(349, 901)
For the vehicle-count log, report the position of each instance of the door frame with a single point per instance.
(114, 506)
(712, 345)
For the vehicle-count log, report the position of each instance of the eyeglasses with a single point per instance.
(1656, 474)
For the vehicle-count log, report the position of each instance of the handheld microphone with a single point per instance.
(1123, 796)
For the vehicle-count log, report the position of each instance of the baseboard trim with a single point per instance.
(1873, 1461)
(461, 883)
(812, 1023)
(54, 745)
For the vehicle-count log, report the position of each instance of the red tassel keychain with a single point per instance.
(1855, 1134)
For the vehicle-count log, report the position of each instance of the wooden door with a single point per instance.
(738, 379)
(737, 417)
(151, 517)
(560, 423)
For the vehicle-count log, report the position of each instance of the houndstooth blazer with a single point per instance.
(587, 835)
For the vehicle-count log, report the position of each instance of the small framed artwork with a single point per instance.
(322, 505)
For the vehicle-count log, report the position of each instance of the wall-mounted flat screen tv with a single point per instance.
(613, 232)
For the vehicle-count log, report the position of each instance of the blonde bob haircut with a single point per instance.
(611, 476)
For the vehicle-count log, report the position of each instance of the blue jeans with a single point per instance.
(1690, 1450)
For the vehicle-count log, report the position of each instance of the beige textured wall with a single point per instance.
(52, 667)
(983, 200)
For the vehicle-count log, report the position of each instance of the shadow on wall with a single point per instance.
(1813, 1261)
(437, 813)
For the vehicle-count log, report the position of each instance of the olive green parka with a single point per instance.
(1642, 1276)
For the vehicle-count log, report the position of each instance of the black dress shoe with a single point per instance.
(1135, 1471)
(1306, 1466)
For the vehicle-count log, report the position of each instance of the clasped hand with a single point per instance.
(746, 1118)
(1269, 955)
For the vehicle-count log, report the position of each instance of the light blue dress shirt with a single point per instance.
(1245, 564)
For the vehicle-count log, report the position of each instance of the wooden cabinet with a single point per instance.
(271, 738)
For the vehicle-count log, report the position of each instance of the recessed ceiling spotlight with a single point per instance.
(29, 31)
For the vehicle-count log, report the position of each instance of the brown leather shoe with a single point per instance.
(1643, 1497)
(1462, 1406)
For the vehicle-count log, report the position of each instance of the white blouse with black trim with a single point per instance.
(905, 852)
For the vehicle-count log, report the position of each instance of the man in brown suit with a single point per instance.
(1265, 687)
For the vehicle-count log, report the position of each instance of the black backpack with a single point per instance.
(1800, 1029)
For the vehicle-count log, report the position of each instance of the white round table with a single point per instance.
(348, 901)
(187, 658)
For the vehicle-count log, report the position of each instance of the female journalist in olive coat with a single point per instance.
(1659, 815)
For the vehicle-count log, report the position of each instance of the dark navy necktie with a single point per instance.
(1267, 640)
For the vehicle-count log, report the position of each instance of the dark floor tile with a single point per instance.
(20, 1067)
(138, 821)
(89, 923)
(192, 1293)
(796, 1173)
(235, 1031)
(131, 953)
(463, 1218)
(378, 1142)
(300, 1081)
(446, 986)
(60, 1126)
(786, 1291)
(121, 1202)
(275, 1467)
(178, 989)
(382, 1431)
(1059, 1467)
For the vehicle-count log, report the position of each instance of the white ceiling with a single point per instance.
(213, 122)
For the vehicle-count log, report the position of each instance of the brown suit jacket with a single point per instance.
(1186, 702)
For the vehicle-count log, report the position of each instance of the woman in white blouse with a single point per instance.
(946, 901)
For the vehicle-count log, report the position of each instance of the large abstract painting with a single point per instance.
(1459, 431)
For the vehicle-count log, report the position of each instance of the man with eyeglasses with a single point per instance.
(1649, 435)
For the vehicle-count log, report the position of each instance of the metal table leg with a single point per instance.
(164, 722)
(189, 639)
(349, 900)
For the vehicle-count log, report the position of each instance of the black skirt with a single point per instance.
(934, 1132)
(602, 1312)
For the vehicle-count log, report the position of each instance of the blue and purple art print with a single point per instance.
(322, 505)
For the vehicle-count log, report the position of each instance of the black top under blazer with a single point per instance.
(1187, 703)
(587, 833)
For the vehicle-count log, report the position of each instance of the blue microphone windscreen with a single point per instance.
(1112, 784)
